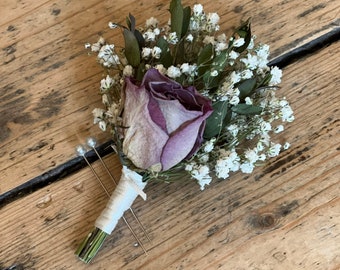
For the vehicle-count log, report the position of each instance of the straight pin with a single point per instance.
(81, 151)
(92, 142)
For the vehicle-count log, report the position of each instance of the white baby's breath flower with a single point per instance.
(213, 18)
(251, 43)
(233, 129)
(185, 68)
(201, 174)
(221, 168)
(146, 52)
(173, 72)
(204, 158)
(102, 125)
(248, 101)
(234, 100)
(189, 38)
(259, 146)
(251, 61)
(214, 73)
(112, 25)
(276, 75)
(198, 9)
(262, 157)
(233, 55)
(105, 99)
(265, 126)
(222, 38)
(235, 77)
(247, 167)
(151, 22)
(246, 74)
(156, 52)
(128, 71)
(274, 150)
(149, 36)
(251, 155)
(262, 51)
(173, 39)
(286, 145)
(209, 146)
(105, 84)
(220, 46)
(107, 56)
(279, 129)
(156, 31)
(95, 47)
(286, 113)
(238, 42)
(161, 69)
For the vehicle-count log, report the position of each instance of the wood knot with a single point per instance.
(263, 220)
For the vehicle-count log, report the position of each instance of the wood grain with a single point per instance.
(284, 216)
(49, 84)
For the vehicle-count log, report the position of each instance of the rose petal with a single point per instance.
(142, 135)
(181, 143)
(175, 114)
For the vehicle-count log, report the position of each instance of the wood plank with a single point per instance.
(284, 216)
(49, 84)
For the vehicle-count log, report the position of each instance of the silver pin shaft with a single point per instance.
(81, 152)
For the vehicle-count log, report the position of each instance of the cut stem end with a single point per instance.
(90, 246)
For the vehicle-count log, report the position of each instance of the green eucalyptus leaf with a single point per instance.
(140, 72)
(204, 59)
(166, 57)
(132, 52)
(218, 64)
(140, 39)
(220, 61)
(246, 109)
(132, 23)
(217, 120)
(212, 82)
(186, 20)
(177, 14)
(246, 87)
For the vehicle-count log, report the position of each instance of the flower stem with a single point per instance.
(89, 247)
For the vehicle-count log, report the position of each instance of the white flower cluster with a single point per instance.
(245, 141)
(200, 21)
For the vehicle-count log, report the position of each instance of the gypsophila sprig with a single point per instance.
(186, 97)
(232, 72)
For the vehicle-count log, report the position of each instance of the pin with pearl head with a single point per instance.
(90, 246)
(92, 142)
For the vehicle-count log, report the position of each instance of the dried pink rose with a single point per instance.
(164, 121)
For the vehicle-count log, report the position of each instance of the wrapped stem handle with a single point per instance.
(129, 187)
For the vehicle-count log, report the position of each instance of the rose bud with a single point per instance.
(163, 121)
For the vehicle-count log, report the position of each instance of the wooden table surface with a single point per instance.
(286, 215)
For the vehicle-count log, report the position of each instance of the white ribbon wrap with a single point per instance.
(127, 190)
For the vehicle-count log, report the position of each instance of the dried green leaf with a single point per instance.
(246, 109)
(186, 20)
(204, 59)
(166, 57)
(217, 120)
(246, 87)
(140, 72)
(177, 13)
(132, 52)
(218, 64)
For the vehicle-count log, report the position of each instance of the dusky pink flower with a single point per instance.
(163, 121)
